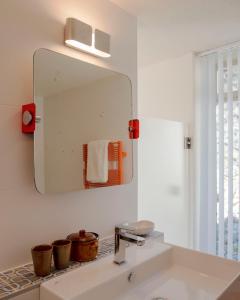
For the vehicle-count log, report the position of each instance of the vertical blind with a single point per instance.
(219, 152)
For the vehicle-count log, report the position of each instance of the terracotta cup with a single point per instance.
(42, 259)
(61, 253)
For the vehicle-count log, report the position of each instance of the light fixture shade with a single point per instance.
(102, 41)
(78, 31)
(80, 35)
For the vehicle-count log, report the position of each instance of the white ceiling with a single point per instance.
(172, 28)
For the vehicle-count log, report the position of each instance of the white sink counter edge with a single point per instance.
(208, 263)
(75, 282)
(80, 281)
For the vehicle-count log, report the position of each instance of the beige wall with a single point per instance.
(26, 217)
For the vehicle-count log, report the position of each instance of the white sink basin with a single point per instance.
(160, 271)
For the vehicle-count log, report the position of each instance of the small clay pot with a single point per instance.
(84, 246)
(42, 259)
(61, 253)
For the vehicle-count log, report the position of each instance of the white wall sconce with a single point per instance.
(81, 36)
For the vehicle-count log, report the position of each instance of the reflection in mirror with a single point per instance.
(82, 139)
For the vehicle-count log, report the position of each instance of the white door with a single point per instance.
(163, 164)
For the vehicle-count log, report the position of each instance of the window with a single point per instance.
(219, 155)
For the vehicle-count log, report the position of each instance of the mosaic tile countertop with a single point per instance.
(22, 279)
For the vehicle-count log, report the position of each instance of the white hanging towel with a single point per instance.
(97, 161)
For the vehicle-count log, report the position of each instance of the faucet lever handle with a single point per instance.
(137, 238)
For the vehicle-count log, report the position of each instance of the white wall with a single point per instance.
(166, 89)
(26, 217)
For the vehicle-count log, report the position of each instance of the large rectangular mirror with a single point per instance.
(81, 140)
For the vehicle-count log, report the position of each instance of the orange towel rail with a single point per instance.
(115, 170)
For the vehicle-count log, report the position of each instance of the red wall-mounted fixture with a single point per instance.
(28, 118)
(133, 129)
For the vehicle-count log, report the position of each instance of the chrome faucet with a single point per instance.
(123, 236)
